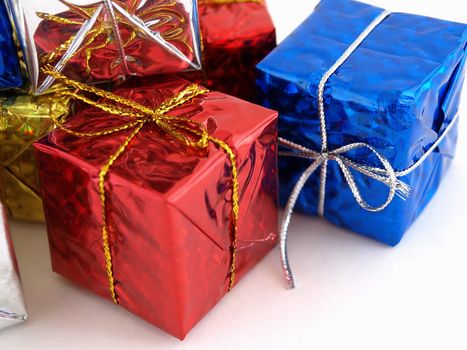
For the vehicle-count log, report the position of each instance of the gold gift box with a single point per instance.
(23, 120)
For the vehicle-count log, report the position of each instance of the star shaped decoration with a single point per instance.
(105, 18)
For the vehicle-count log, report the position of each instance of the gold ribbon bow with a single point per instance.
(188, 132)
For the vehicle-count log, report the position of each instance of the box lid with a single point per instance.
(396, 91)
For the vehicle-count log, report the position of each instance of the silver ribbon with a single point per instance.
(21, 10)
(386, 174)
(143, 28)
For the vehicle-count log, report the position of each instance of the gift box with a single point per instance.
(10, 74)
(107, 40)
(160, 197)
(23, 120)
(12, 306)
(236, 36)
(368, 104)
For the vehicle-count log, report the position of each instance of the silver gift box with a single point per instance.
(12, 306)
(107, 17)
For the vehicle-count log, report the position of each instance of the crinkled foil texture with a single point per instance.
(23, 120)
(10, 74)
(100, 41)
(235, 38)
(168, 206)
(12, 305)
(397, 92)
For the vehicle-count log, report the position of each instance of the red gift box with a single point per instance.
(129, 38)
(236, 35)
(168, 206)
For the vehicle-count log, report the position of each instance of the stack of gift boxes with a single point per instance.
(159, 194)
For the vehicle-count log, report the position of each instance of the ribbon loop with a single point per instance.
(386, 175)
(186, 131)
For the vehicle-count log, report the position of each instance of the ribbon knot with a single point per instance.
(188, 132)
(386, 174)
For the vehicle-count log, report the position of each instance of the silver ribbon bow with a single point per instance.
(386, 174)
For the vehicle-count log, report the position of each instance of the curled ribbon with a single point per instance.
(186, 131)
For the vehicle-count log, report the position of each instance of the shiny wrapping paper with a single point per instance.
(10, 73)
(23, 120)
(107, 40)
(236, 35)
(168, 206)
(12, 306)
(397, 92)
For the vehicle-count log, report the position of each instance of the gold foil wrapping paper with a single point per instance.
(23, 120)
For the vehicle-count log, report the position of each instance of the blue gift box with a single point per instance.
(394, 100)
(10, 73)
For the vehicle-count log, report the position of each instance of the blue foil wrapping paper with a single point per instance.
(10, 73)
(398, 92)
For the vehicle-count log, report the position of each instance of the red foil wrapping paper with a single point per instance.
(236, 35)
(168, 206)
(107, 40)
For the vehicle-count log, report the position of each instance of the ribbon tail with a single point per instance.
(288, 215)
(322, 188)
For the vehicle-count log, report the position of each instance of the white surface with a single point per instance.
(352, 292)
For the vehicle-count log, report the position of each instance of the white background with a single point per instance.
(352, 292)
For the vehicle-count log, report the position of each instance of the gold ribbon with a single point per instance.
(162, 16)
(186, 131)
